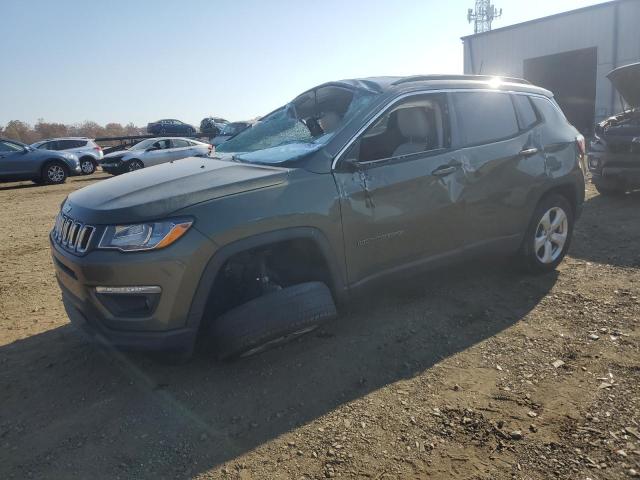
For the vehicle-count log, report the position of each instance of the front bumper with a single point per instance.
(166, 326)
(113, 168)
(615, 169)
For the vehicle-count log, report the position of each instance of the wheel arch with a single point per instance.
(214, 266)
(56, 161)
(568, 190)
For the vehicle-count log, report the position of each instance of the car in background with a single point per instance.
(170, 126)
(19, 161)
(230, 130)
(153, 151)
(614, 156)
(212, 125)
(88, 152)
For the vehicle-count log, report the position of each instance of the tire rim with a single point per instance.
(551, 235)
(133, 166)
(87, 166)
(55, 173)
(278, 341)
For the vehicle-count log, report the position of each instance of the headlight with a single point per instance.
(144, 236)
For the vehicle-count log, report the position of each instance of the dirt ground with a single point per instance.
(476, 372)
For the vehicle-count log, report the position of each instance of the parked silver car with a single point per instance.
(153, 151)
(88, 151)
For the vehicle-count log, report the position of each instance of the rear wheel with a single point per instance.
(54, 173)
(87, 165)
(549, 234)
(134, 165)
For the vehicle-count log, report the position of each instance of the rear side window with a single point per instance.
(526, 114)
(549, 111)
(484, 117)
(177, 143)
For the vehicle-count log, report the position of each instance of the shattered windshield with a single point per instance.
(301, 127)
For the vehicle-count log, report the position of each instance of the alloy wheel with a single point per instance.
(55, 173)
(551, 235)
(87, 167)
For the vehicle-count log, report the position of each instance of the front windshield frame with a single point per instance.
(294, 130)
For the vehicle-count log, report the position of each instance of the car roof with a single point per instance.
(437, 82)
(62, 138)
(5, 139)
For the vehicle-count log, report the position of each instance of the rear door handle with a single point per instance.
(528, 152)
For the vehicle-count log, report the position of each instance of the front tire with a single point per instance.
(272, 319)
(134, 165)
(548, 236)
(54, 173)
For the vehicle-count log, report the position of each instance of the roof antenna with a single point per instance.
(484, 14)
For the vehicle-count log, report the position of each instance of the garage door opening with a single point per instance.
(571, 76)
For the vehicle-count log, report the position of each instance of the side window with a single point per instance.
(527, 117)
(66, 144)
(8, 147)
(416, 125)
(484, 117)
(45, 146)
(178, 143)
(550, 111)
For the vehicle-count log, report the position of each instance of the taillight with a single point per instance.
(582, 147)
(582, 151)
(97, 148)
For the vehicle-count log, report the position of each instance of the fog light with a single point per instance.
(594, 163)
(133, 301)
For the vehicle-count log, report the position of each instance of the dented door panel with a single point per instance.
(398, 212)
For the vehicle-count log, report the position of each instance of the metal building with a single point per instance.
(569, 53)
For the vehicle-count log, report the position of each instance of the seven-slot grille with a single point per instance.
(72, 235)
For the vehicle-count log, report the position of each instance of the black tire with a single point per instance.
(133, 165)
(610, 191)
(54, 173)
(529, 257)
(88, 165)
(272, 319)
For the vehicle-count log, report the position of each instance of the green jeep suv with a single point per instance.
(351, 182)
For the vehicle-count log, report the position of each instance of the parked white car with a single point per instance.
(153, 151)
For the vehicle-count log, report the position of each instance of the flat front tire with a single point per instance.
(272, 319)
(548, 236)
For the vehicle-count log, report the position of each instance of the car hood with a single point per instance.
(156, 192)
(118, 153)
(627, 81)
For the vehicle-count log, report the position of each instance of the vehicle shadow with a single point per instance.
(71, 410)
(21, 185)
(606, 218)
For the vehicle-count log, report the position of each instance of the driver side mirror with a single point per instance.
(151, 149)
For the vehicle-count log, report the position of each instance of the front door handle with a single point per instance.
(444, 170)
(528, 152)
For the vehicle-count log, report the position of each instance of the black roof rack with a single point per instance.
(487, 78)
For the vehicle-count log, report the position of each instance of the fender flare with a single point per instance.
(201, 296)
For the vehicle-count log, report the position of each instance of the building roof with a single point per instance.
(542, 19)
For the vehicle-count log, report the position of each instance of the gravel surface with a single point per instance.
(473, 372)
